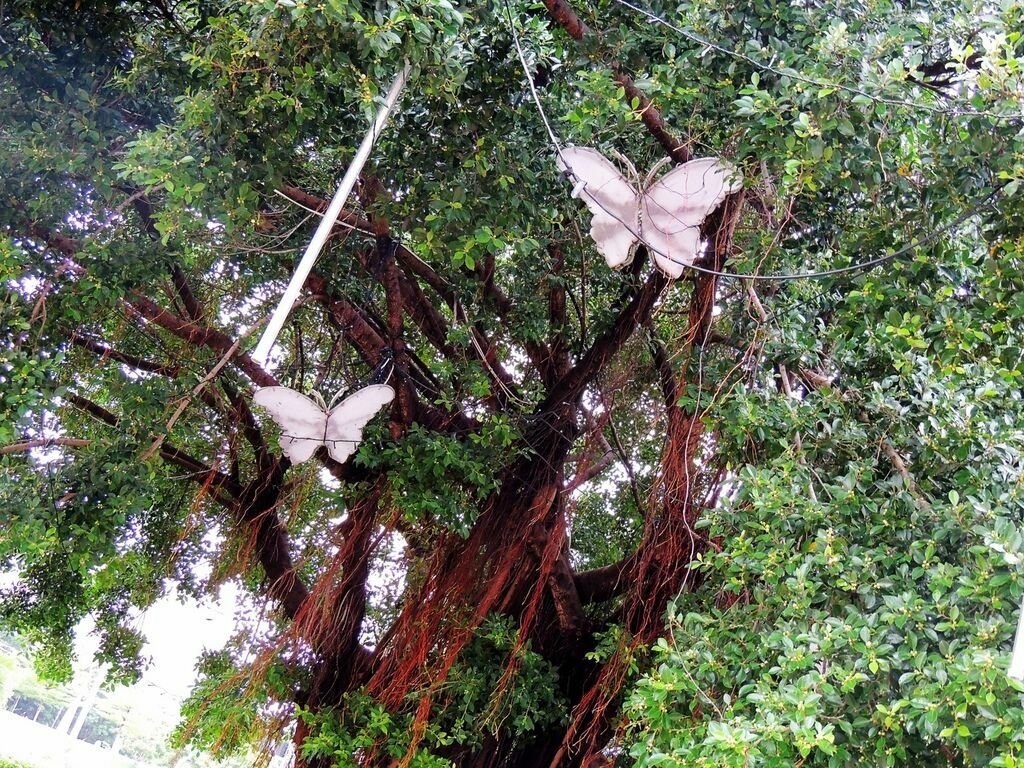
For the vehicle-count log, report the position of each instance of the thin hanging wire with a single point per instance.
(529, 80)
(792, 75)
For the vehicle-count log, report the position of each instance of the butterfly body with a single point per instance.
(665, 214)
(307, 424)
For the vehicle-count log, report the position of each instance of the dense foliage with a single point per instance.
(609, 518)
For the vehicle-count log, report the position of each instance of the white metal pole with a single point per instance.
(291, 293)
(1016, 669)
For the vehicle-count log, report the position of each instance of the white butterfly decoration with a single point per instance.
(307, 424)
(665, 215)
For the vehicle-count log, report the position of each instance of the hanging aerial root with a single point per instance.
(687, 484)
(330, 620)
(590, 721)
(721, 226)
(501, 567)
(548, 557)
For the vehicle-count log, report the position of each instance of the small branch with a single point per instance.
(185, 401)
(106, 352)
(43, 442)
(899, 465)
(787, 386)
(503, 382)
(505, 388)
(150, 310)
(167, 452)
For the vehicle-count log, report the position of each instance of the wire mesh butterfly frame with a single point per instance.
(665, 215)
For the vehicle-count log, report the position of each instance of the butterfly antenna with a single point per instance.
(654, 170)
(338, 396)
(318, 398)
(627, 164)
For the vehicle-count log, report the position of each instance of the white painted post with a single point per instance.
(302, 271)
(1016, 669)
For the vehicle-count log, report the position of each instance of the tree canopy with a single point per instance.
(766, 514)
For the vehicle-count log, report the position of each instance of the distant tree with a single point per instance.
(609, 517)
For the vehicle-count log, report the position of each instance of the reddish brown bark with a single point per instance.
(515, 560)
(563, 13)
(674, 147)
(200, 335)
(427, 318)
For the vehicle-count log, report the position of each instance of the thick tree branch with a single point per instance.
(430, 322)
(66, 245)
(193, 309)
(144, 209)
(600, 584)
(591, 470)
(572, 620)
(563, 13)
(257, 509)
(255, 505)
(650, 115)
(571, 386)
(937, 76)
(369, 343)
(414, 267)
(557, 342)
(250, 429)
(719, 228)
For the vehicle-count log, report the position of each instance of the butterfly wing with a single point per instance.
(303, 423)
(346, 420)
(612, 200)
(674, 207)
